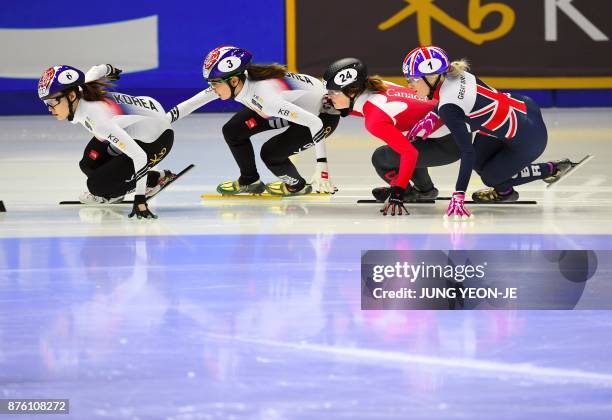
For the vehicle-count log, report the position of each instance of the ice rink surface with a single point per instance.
(250, 309)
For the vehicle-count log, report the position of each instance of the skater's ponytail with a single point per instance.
(265, 71)
(375, 84)
(96, 90)
(458, 67)
(372, 84)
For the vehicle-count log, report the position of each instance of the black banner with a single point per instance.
(529, 44)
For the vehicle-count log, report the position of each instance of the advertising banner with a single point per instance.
(536, 44)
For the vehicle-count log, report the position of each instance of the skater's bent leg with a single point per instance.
(512, 166)
(156, 152)
(386, 163)
(237, 133)
(95, 155)
(276, 151)
(436, 152)
(114, 179)
(527, 146)
(485, 148)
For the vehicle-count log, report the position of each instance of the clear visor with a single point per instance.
(334, 92)
(215, 81)
(53, 102)
(220, 80)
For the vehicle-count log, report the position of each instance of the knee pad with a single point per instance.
(268, 156)
(382, 166)
(85, 168)
(378, 157)
(490, 180)
(93, 187)
(231, 133)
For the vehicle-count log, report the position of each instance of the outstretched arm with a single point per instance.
(454, 118)
(381, 125)
(102, 70)
(187, 107)
(277, 107)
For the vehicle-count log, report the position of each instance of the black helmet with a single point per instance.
(346, 73)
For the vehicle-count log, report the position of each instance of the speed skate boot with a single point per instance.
(88, 198)
(490, 195)
(234, 188)
(280, 188)
(381, 193)
(412, 194)
(561, 167)
(163, 177)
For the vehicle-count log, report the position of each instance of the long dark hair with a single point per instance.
(372, 83)
(96, 90)
(266, 71)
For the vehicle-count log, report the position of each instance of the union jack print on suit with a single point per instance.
(502, 108)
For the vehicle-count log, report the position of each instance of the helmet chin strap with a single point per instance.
(344, 112)
(71, 104)
(242, 77)
(432, 88)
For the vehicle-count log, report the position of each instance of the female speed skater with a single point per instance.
(274, 99)
(131, 134)
(389, 111)
(509, 130)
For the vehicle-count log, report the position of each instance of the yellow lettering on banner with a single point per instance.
(426, 10)
(478, 13)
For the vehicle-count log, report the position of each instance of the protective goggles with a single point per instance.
(53, 102)
(220, 80)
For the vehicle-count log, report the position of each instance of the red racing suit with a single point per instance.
(388, 116)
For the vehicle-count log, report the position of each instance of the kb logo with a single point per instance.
(427, 10)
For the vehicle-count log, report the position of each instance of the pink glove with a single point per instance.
(456, 207)
(425, 127)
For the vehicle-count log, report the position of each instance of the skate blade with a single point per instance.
(78, 203)
(572, 170)
(408, 203)
(493, 203)
(263, 196)
(172, 181)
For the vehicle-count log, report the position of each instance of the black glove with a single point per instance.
(141, 214)
(113, 72)
(395, 202)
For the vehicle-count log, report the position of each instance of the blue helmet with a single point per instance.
(59, 78)
(225, 61)
(425, 61)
